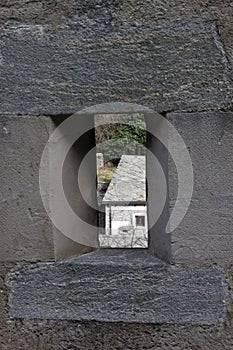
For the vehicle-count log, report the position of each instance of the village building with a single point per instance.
(125, 205)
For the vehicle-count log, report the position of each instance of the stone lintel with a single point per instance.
(176, 66)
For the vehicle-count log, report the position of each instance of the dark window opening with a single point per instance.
(140, 220)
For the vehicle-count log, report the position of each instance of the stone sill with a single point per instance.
(118, 285)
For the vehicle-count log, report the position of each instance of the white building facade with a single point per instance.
(125, 206)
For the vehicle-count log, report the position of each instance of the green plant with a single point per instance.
(127, 136)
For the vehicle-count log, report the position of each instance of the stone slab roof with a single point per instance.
(128, 183)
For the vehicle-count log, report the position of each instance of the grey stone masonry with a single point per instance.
(180, 65)
(206, 233)
(129, 286)
(25, 229)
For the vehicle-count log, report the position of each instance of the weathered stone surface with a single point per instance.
(174, 66)
(121, 286)
(150, 12)
(22, 334)
(25, 230)
(128, 184)
(34, 11)
(59, 335)
(205, 234)
(98, 13)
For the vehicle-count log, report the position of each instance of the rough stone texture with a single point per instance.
(63, 335)
(127, 286)
(26, 232)
(150, 12)
(34, 11)
(180, 65)
(128, 184)
(95, 13)
(57, 335)
(205, 235)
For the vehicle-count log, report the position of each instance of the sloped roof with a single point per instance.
(128, 183)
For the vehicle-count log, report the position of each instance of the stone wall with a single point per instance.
(122, 232)
(26, 231)
(205, 235)
(174, 56)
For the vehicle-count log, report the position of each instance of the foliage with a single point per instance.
(127, 136)
(105, 174)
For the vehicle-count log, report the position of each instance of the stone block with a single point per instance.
(175, 66)
(25, 230)
(157, 11)
(118, 286)
(205, 234)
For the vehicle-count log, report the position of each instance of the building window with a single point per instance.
(81, 204)
(140, 220)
